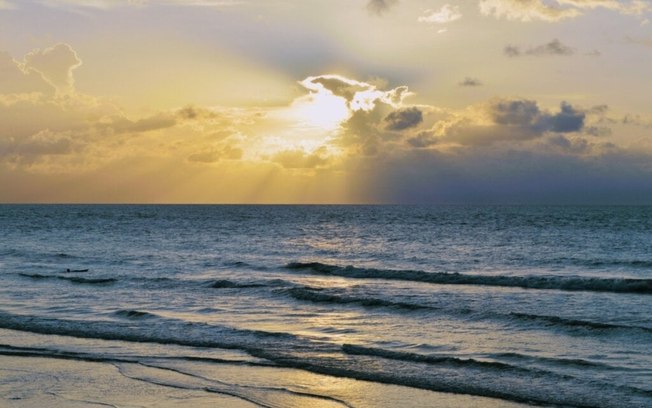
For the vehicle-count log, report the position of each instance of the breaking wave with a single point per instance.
(615, 285)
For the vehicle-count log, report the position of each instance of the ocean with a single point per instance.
(354, 306)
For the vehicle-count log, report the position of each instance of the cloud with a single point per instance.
(566, 145)
(215, 154)
(16, 78)
(403, 119)
(553, 48)
(445, 14)
(358, 95)
(55, 64)
(337, 85)
(299, 159)
(514, 120)
(42, 143)
(468, 81)
(423, 139)
(526, 10)
(526, 115)
(556, 10)
(121, 124)
(379, 7)
(645, 42)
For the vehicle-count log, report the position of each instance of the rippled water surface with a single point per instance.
(537, 305)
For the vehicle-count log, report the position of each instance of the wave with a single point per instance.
(429, 359)
(324, 295)
(72, 279)
(159, 281)
(489, 379)
(600, 263)
(227, 284)
(574, 323)
(573, 362)
(615, 285)
(134, 314)
(319, 295)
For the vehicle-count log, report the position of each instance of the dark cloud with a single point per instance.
(516, 120)
(567, 120)
(403, 119)
(468, 81)
(526, 113)
(378, 7)
(554, 47)
(514, 112)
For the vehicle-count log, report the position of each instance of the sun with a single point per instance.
(321, 110)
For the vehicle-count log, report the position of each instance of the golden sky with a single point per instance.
(339, 101)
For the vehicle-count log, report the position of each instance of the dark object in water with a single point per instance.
(76, 270)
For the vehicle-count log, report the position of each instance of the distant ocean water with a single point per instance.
(540, 305)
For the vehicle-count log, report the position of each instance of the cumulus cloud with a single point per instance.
(56, 65)
(527, 115)
(403, 119)
(511, 120)
(358, 95)
(556, 10)
(16, 78)
(379, 7)
(553, 48)
(468, 81)
(445, 14)
(43, 71)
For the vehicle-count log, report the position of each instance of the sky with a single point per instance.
(339, 101)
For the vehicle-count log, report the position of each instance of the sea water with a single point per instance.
(537, 305)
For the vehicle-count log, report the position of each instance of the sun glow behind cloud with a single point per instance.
(225, 103)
